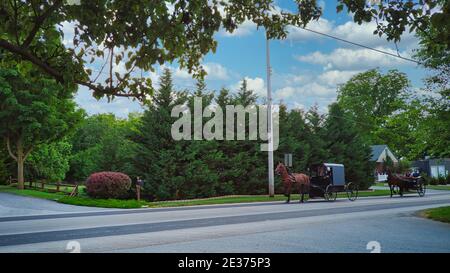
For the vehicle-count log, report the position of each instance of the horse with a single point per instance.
(394, 180)
(299, 180)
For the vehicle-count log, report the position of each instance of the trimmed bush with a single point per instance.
(108, 185)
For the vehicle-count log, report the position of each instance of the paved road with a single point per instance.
(315, 226)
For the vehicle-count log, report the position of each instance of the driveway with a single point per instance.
(16, 205)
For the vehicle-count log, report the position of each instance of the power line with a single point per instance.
(361, 45)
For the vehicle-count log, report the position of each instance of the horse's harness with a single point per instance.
(291, 176)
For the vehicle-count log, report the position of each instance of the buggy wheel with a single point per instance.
(330, 194)
(352, 191)
(421, 188)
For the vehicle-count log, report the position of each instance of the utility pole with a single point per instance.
(269, 121)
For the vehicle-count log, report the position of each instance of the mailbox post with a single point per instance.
(139, 184)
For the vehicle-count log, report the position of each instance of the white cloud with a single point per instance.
(310, 90)
(321, 25)
(351, 31)
(336, 77)
(244, 29)
(181, 73)
(216, 71)
(256, 84)
(354, 59)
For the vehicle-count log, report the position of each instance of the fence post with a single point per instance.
(42, 184)
(57, 186)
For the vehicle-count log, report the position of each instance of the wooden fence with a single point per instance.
(54, 187)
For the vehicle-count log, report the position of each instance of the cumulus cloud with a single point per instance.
(350, 31)
(336, 77)
(244, 29)
(354, 59)
(215, 71)
(256, 84)
(298, 34)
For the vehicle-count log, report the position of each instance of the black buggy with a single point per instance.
(327, 179)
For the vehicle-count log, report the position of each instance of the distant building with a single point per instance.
(381, 154)
(435, 167)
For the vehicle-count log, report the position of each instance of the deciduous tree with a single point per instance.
(34, 110)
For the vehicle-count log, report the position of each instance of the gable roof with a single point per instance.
(378, 150)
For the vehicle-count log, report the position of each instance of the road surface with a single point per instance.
(315, 226)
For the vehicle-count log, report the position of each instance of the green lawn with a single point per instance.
(83, 200)
(431, 187)
(32, 193)
(439, 187)
(441, 214)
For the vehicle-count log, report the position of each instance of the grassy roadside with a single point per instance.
(431, 187)
(441, 214)
(439, 187)
(128, 204)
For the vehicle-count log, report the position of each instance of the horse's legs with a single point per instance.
(391, 187)
(302, 193)
(288, 194)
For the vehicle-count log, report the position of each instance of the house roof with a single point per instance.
(381, 152)
(376, 151)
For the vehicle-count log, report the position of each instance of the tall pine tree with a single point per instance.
(158, 155)
(346, 146)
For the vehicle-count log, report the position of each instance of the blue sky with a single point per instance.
(307, 68)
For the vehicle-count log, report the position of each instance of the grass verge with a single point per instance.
(129, 204)
(441, 214)
(439, 187)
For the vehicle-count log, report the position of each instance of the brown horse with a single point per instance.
(299, 180)
(395, 180)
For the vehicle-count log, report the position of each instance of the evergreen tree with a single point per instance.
(203, 157)
(246, 96)
(294, 136)
(315, 136)
(347, 147)
(158, 155)
(247, 168)
(224, 98)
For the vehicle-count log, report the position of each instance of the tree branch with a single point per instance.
(27, 153)
(56, 74)
(8, 145)
(28, 56)
(39, 21)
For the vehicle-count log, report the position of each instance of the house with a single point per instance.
(380, 155)
(436, 167)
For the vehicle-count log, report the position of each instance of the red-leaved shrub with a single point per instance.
(108, 185)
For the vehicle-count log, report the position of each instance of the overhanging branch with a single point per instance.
(30, 57)
(115, 91)
(39, 21)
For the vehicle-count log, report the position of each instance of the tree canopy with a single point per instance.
(34, 110)
(144, 33)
